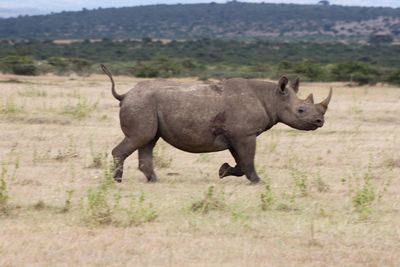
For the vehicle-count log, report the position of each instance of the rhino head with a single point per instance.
(298, 113)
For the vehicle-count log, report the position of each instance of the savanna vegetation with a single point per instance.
(206, 58)
(329, 197)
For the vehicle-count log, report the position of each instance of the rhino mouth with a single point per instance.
(310, 126)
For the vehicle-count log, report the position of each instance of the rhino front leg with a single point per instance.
(245, 148)
(227, 170)
(120, 153)
(146, 161)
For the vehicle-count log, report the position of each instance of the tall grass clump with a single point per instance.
(9, 107)
(33, 93)
(3, 195)
(211, 201)
(103, 205)
(81, 110)
(6, 175)
(301, 182)
(97, 206)
(267, 197)
(138, 212)
(365, 195)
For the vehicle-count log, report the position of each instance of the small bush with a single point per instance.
(25, 69)
(394, 77)
(20, 65)
(59, 65)
(320, 184)
(365, 196)
(137, 213)
(211, 201)
(10, 108)
(69, 152)
(5, 176)
(3, 195)
(99, 210)
(103, 207)
(81, 110)
(359, 72)
(311, 70)
(301, 182)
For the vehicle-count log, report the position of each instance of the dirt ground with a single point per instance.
(331, 196)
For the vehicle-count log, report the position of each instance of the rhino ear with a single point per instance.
(295, 84)
(283, 81)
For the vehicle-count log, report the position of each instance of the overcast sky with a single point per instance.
(11, 8)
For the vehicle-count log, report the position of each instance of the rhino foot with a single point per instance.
(118, 176)
(224, 170)
(152, 179)
(256, 181)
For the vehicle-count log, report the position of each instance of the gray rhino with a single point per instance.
(209, 117)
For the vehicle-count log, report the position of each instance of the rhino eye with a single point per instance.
(301, 110)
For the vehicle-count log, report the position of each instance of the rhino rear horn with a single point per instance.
(310, 99)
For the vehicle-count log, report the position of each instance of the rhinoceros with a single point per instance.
(203, 118)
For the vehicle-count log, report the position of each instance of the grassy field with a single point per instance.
(330, 198)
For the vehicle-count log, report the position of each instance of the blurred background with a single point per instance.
(339, 40)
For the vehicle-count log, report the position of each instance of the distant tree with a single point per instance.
(309, 69)
(146, 40)
(377, 39)
(323, 3)
(19, 65)
(394, 77)
(359, 72)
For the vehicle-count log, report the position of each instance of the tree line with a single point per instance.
(206, 58)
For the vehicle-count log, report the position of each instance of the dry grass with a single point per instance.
(51, 159)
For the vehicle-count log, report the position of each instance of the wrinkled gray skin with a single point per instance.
(209, 117)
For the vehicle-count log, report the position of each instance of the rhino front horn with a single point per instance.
(325, 103)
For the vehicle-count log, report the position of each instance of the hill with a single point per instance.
(191, 21)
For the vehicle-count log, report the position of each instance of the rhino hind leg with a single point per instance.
(146, 161)
(120, 153)
(245, 149)
(227, 170)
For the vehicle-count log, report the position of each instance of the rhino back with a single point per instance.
(201, 118)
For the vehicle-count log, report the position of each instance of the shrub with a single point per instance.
(394, 77)
(311, 70)
(137, 213)
(10, 107)
(359, 72)
(365, 195)
(80, 66)
(378, 39)
(99, 210)
(20, 65)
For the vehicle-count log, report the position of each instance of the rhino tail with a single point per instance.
(114, 93)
